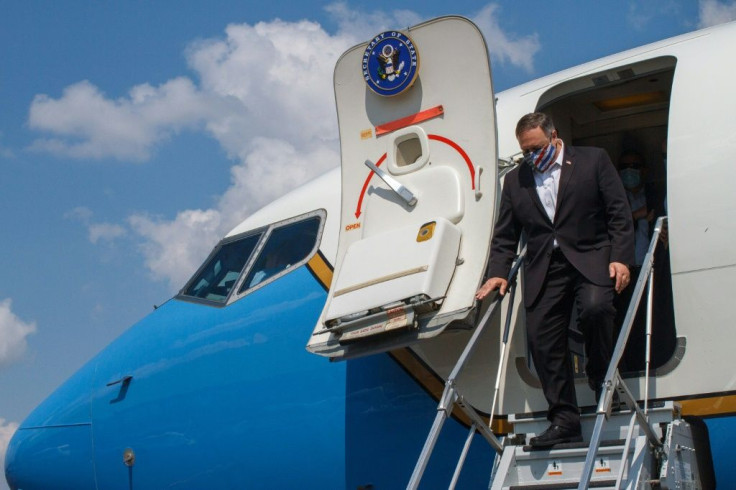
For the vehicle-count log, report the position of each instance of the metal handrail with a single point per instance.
(511, 291)
(450, 395)
(613, 380)
(625, 456)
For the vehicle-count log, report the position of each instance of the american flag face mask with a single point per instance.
(541, 159)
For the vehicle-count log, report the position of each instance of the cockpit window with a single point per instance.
(248, 261)
(287, 246)
(218, 276)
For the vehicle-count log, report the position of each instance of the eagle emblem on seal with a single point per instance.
(390, 63)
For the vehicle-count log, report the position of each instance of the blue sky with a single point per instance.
(133, 135)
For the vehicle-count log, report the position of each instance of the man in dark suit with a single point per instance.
(572, 207)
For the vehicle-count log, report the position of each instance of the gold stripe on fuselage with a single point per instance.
(321, 269)
(714, 405)
(709, 406)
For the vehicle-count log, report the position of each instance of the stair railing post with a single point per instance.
(448, 400)
(648, 354)
(613, 380)
(463, 455)
(504, 345)
(449, 395)
(625, 455)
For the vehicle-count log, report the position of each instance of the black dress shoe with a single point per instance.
(556, 434)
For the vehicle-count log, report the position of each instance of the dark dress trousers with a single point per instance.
(593, 227)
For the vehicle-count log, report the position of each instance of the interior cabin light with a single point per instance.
(629, 101)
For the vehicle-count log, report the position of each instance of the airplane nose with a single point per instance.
(53, 447)
(51, 457)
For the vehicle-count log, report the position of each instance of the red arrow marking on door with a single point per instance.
(457, 148)
(436, 137)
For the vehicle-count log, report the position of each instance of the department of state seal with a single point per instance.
(390, 63)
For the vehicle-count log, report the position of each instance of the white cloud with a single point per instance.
(503, 47)
(173, 249)
(642, 13)
(284, 133)
(107, 232)
(363, 25)
(80, 213)
(271, 79)
(713, 12)
(278, 79)
(13, 333)
(519, 52)
(264, 92)
(7, 429)
(87, 124)
(273, 168)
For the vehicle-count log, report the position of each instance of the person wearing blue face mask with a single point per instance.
(572, 207)
(631, 166)
(642, 200)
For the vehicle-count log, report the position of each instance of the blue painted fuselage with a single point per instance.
(227, 397)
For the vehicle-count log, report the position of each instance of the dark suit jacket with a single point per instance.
(593, 224)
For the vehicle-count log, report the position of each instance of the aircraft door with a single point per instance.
(418, 150)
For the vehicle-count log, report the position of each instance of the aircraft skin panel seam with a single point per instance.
(54, 426)
(694, 271)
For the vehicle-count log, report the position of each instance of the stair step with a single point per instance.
(561, 467)
(563, 485)
(573, 445)
(530, 424)
(571, 454)
(523, 467)
(659, 412)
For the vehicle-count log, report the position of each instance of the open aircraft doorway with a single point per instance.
(625, 110)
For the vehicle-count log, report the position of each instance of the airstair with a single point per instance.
(625, 456)
(627, 445)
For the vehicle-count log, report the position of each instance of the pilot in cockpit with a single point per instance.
(270, 263)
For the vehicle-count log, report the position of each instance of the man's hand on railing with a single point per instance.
(491, 285)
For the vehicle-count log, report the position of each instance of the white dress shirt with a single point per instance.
(548, 183)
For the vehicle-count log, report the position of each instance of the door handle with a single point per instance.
(124, 380)
(394, 184)
(478, 192)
